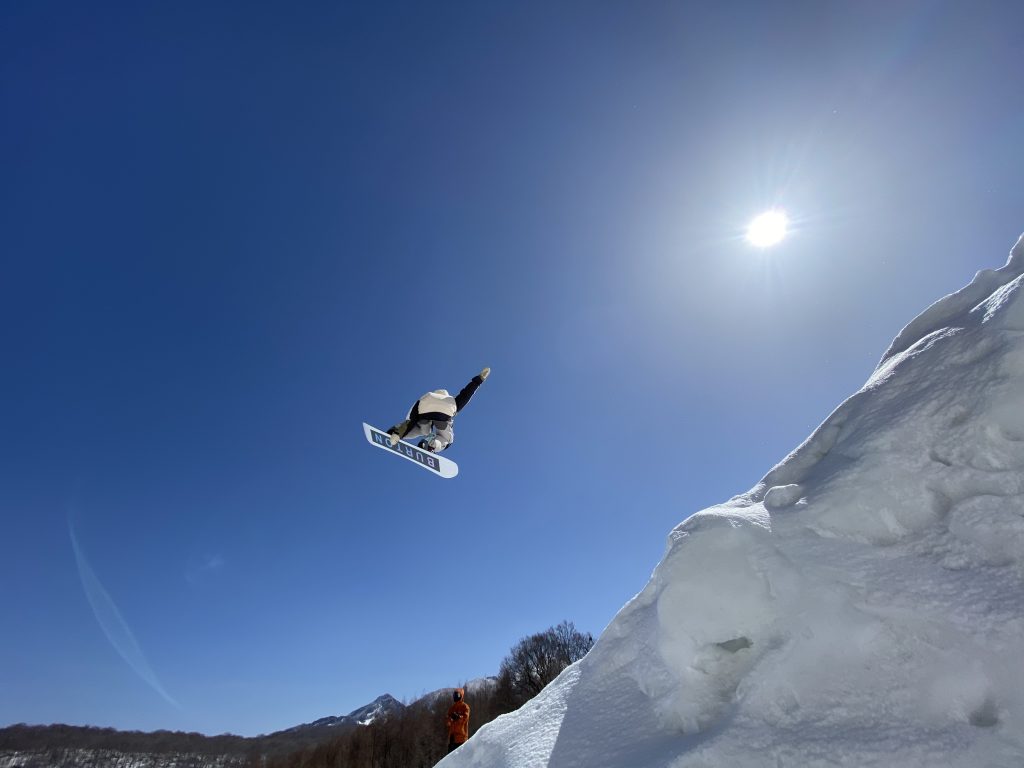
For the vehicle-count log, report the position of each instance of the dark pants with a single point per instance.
(453, 745)
(442, 430)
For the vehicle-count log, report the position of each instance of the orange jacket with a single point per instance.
(458, 721)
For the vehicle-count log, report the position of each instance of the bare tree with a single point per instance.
(538, 659)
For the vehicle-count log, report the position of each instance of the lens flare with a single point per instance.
(768, 229)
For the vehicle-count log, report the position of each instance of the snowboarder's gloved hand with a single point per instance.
(484, 374)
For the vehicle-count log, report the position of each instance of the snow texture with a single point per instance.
(862, 605)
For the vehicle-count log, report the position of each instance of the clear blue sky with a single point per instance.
(230, 233)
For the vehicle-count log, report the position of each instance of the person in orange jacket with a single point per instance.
(458, 721)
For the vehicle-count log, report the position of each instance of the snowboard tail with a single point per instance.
(439, 465)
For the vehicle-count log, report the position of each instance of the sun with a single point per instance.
(768, 229)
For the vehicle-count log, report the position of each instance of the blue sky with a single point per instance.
(230, 233)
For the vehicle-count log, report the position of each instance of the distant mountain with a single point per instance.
(380, 707)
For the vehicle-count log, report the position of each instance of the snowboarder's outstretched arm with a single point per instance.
(466, 393)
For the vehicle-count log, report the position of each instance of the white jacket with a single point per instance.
(438, 401)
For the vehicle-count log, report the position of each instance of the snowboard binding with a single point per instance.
(431, 442)
(428, 444)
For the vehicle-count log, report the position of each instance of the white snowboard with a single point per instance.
(440, 466)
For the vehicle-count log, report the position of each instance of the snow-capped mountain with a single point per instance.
(863, 604)
(380, 707)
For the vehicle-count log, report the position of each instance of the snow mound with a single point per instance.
(861, 605)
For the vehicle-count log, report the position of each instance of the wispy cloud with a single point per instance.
(210, 564)
(112, 623)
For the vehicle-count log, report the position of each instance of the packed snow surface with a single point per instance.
(862, 605)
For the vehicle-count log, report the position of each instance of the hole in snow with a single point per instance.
(984, 716)
(736, 644)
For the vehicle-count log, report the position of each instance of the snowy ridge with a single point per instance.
(946, 311)
(379, 707)
(861, 605)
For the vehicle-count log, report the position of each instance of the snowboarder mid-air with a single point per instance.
(433, 415)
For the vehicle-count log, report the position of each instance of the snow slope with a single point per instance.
(862, 605)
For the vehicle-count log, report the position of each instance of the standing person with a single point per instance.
(457, 721)
(433, 416)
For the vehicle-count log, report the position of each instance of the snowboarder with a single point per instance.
(458, 721)
(433, 415)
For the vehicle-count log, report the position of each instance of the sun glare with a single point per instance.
(768, 229)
